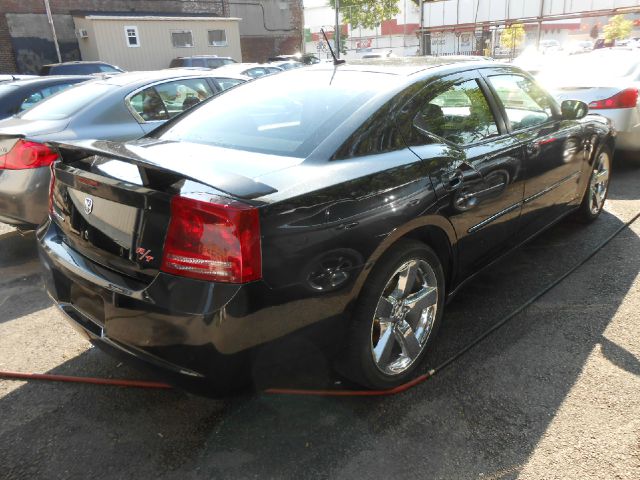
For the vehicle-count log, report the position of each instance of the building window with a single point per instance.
(182, 38)
(131, 36)
(217, 38)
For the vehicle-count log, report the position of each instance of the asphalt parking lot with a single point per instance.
(555, 393)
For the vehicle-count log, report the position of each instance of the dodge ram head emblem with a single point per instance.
(88, 205)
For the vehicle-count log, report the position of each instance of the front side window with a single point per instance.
(525, 102)
(131, 36)
(182, 38)
(167, 100)
(217, 38)
(460, 115)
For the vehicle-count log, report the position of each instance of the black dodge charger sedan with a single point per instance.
(364, 194)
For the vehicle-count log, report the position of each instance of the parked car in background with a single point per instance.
(10, 77)
(608, 81)
(206, 61)
(578, 47)
(287, 64)
(79, 68)
(603, 43)
(307, 58)
(122, 107)
(21, 95)
(253, 70)
(360, 194)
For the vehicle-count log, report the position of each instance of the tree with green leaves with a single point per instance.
(512, 36)
(618, 28)
(367, 13)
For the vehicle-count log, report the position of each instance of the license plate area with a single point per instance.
(107, 225)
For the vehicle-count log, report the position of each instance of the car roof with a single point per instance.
(143, 77)
(240, 67)
(204, 56)
(78, 62)
(406, 66)
(49, 79)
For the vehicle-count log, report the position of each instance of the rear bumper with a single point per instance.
(188, 330)
(24, 196)
(626, 121)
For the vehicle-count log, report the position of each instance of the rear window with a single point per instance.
(68, 102)
(281, 115)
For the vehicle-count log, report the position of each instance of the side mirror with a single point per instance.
(574, 109)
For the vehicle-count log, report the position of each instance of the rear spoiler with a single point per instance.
(155, 175)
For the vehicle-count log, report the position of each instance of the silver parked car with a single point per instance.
(123, 107)
(608, 80)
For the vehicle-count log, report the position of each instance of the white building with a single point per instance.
(398, 35)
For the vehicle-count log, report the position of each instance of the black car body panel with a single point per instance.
(370, 182)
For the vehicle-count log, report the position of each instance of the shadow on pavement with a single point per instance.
(21, 290)
(485, 413)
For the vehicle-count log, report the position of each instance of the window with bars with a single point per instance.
(131, 36)
(182, 38)
(217, 38)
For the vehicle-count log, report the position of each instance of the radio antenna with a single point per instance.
(336, 60)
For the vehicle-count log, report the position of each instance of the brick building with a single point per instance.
(267, 27)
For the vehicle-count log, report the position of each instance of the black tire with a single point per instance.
(586, 212)
(358, 360)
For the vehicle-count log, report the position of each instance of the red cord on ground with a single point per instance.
(89, 380)
(271, 391)
(352, 393)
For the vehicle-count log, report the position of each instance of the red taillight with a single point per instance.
(213, 241)
(625, 99)
(26, 154)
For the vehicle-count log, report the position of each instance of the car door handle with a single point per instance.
(465, 173)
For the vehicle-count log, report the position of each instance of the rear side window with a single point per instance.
(525, 102)
(68, 102)
(460, 114)
(166, 100)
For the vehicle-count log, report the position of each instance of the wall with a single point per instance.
(156, 49)
(452, 12)
(29, 42)
(268, 27)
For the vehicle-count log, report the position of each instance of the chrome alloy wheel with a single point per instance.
(404, 317)
(599, 183)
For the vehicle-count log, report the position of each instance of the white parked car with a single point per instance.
(606, 80)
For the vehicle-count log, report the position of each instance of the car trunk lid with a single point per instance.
(112, 201)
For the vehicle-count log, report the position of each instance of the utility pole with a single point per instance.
(53, 29)
(336, 35)
(422, 48)
(540, 24)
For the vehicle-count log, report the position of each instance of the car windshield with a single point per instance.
(611, 65)
(67, 103)
(287, 114)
